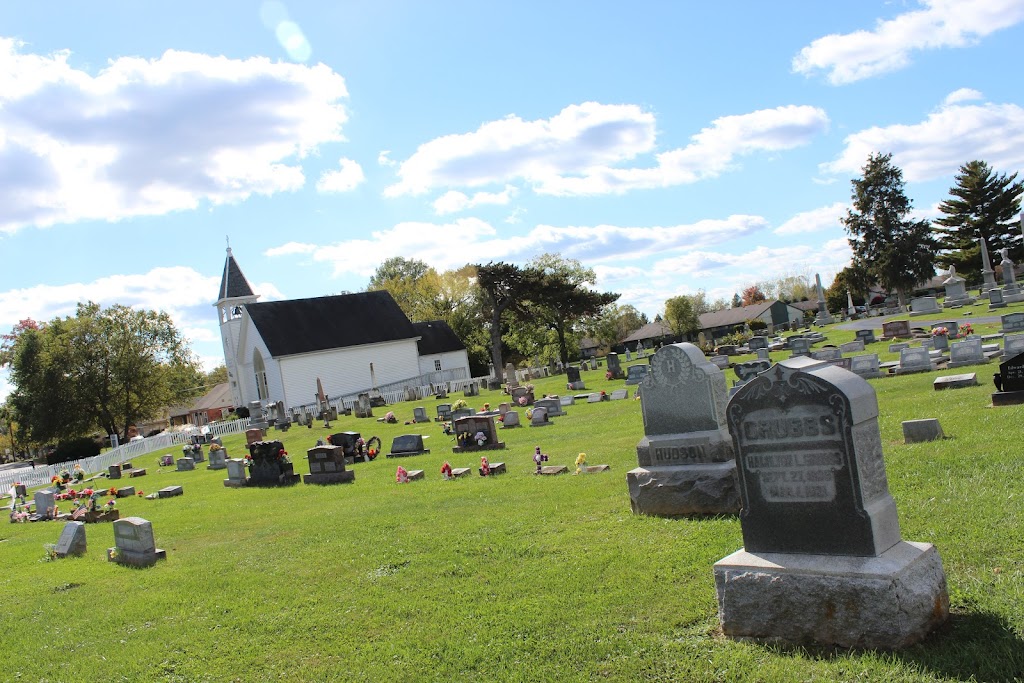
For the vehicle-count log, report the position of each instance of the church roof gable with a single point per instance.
(329, 322)
(437, 337)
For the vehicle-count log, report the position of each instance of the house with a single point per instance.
(278, 350)
(774, 313)
(210, 407)
(650, 335)
(591, 348)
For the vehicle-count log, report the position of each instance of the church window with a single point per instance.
(260, 369)
(437, 365)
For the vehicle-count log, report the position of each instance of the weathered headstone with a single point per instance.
(362, 407)
(1013, 322)
(553, 406)
(822, 557)
(460, 413)
(619, 394)
(72, 540)
(594, 398)
(236, 473)
(913, 360)
(852, 347)
(257, 418)
(419, 414)
(522, 393)
(685, 458)
(567, 400)
(614, 366)
(510, 418)
(956, 291)
(134, 544)
(407, 445)
(510, 376)
(866, 366)
(636, 373)
(327, 466)
(756, 343)
(114, 472)
(185, 464)
(1013, 344)
(924, 305)
(763, 354)
(253, 435)
(218, 459)
(444, 412)
(539, 418)
(919, 431)
(799, 346)
(865, 336)
(476, 433)
(896, 329)
(828, 353)
(966, 352)
(720, 362)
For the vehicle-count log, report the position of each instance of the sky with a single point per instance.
(672, 146)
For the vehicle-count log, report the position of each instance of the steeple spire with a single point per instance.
(233, 284)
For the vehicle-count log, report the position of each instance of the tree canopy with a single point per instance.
(983, 204)
(681, 315)
(897, 251)
(615, 323)
(102, 368)
(505, 287)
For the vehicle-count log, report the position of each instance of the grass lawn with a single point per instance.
(508, 578)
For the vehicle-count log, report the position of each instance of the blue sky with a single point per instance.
(671, 146)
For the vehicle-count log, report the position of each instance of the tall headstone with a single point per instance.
(987, 273)
(510, 375)
(1011, 292)
(44, 501)
(134, 544)
(956, 291)
(257, 419)
(362, 406)
(685, 458)
(236, 473)
(823, 317)
(823, 559)
(614, 366)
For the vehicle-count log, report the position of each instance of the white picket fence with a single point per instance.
(42, 474)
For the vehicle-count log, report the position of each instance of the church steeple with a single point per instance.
(233, 295)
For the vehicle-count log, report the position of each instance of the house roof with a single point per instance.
(436, 337)
(734, 316)
(649, 331)
(217, 397)
(329, 322)
(588, 343)
(232, 283)
(809, 305)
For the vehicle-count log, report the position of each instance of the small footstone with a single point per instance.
(597, 468)
(917, 431)
(170, 492)
(460, 471)
(415, 474)
(553, 469)
(956, 381)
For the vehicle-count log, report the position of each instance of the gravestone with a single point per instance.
(218, 459)
(419, 414)
(635, 374)
(185, 464)
(570, 400)
(470, 429)
(896, 348)
(751, 369)
(995, 299)
(522, 392)
(831, 353)
(896, 329)
(406, 445)
(720, 362)
(685, 458)
(924, 305)
(921, 431)
(866, 366)
(170, 492)
(966, 352)
(257, 419)
(253, 435)
(444, 412)
(134, 544)
(236, 473)
(472, 389)
(539, 418)
(1013, 322)
(269, 467)
(615, 366)
(140, 472)
(572, 376)
(362, 407)
(594, 398)
(619, 394)
(799, 346)
(1010, 389)
(763, 354)
(956, 291)
(553, 406)
(756, 343)
(72, 540)
(114, 472)
(913, 360)
(955, 381)
(125, 492)
(461, 413)
(952, 328)
(822, 559)
(852, 347)
(510, 418)
(865, 336)
(327, 466)
(510, 376)
(1013, 344)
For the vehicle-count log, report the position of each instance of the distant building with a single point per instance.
(212, 406)
(276, 351)
(774, 313)
(650, 335)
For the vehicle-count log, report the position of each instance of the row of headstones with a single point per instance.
(797, 453)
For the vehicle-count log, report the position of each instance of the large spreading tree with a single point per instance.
(897, 251)
(105, 368)
(505, 288)
(983, 204)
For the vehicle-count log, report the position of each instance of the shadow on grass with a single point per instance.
(976, 646)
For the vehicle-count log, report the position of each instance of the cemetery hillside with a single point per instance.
(818, 504)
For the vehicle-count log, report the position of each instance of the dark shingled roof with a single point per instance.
(233, 284)
(329, 322)
(437, 337)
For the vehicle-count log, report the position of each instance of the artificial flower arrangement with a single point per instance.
(940, 331)
(966, 330)
(214, 447)
(79, 473)
(390, 418)
(459, 405)
(522, 400)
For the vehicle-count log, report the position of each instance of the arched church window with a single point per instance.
(260, 369)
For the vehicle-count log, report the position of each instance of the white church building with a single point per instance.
(277, 350)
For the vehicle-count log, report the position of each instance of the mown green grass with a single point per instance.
(511, 578)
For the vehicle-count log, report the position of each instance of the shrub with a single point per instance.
(757, 324)
(242, 412)
(73, 449)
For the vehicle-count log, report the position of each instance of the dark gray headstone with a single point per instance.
(572, 373)
(72, 540)
(756, 343)
(750, 369)
(1012, 373)
(407, 443)
(866, 336)
(809, 452)
(635, 374)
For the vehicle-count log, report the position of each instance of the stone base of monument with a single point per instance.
(235, 483)
(886, 602)
(551, 470)
(345, 477)
(135, 559)
(1007, 398)
(955, 381)
(593, 469)
(460, 471)
(683, 490)
(958, 303)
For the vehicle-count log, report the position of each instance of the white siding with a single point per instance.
(250, 339)
(449, 361)
(344, 371)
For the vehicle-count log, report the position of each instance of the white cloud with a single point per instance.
(939, 24)
(146, 137)
(347, 177)
(962, 95)
(578, 151)
(814, 220)
(939, 145)
(290, 248)
(384, 160)
(454, 201)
